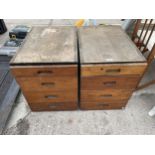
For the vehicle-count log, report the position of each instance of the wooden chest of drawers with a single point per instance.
(111, 67)
(46, 68)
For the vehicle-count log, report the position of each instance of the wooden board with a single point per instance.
(48, 45)
(107, 44)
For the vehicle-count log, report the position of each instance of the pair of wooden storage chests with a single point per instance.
(63, 68)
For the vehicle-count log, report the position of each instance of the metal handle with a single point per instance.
(103, 104)
(106, 95)
(43, 73)
(48, 84)
(109, 83)
(51, 96)
(113, 70)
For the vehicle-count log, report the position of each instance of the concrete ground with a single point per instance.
(133, 119)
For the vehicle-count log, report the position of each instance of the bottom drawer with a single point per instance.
(53, 106)
(102, 106)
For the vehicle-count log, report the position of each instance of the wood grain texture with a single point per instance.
(102, 105)
(53, 106)
(44, 70)
(48, 45)
(107, 44)
(112, 69)
(51, 96)
(104, 82)
(105, 95)
(41, 84)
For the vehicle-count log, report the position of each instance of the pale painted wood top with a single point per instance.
(48, 45)
(107, 44)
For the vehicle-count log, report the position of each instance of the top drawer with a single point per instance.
(113, 69)
(40, 71)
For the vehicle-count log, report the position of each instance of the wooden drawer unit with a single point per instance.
(111, 67)
(46, 68)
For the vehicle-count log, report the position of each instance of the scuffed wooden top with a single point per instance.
(107, 44)
(48, 45)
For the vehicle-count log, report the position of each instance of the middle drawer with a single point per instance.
(51, 96)
(105, 95)
(48, 83)
(104, 82)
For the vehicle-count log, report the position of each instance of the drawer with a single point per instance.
(42, 71)
(47, 83)
(105, 95)
(104, 82)
(102, 105)
(53, 106)
(112, 69)
(51, 96)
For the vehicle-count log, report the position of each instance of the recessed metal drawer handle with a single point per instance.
(106, 95)
(103, 104)
(109, 83)
(54, 105)
(51, 96)
(113, 70)
(49, 84)
(42, 73)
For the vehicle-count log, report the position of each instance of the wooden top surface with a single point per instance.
(48, 45)
(107, 44)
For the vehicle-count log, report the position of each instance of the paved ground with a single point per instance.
(133, 119)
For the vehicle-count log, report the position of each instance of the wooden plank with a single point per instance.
(107, 44)
(48, 45)
(7, 104)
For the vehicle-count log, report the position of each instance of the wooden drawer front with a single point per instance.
(42, 71)
(104, 82)
(51, 97)
(105, 95)
(102, 105)
(47, 83)
(53, 106)
(112, 69)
